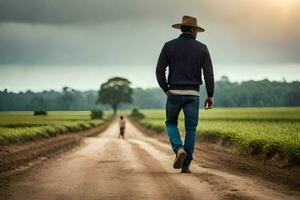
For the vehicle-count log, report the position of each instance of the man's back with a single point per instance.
(122, 123)
(186, 58)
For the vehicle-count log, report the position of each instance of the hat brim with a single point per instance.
(198, 28)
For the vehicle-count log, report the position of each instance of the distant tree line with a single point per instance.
(262, 93)
(67, 99)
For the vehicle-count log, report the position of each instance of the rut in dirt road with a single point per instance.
(138, 167)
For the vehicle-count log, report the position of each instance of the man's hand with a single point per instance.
(209, 102)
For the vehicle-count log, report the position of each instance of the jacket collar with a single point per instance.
(186, 35)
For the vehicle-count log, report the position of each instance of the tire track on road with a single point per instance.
(167, 186)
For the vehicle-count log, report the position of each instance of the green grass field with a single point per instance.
(23, 126)
(263, 130)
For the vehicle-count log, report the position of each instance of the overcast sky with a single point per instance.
(81, 43)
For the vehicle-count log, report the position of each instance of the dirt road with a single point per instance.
(139, 167)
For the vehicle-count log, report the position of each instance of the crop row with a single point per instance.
(267, 134)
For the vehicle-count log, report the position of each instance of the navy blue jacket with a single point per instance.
(187, 59)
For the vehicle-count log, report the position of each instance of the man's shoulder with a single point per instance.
(170, 42)
(201, 44)
(177, 40)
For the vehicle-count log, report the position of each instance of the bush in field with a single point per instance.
(136, 114)
(96, 114)
(39, 112)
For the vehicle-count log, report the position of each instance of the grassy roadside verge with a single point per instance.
(19, 127)
(273, 133)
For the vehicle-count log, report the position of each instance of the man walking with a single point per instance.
(186, 58)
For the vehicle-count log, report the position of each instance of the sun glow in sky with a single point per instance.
(285, 1)
(284, 4)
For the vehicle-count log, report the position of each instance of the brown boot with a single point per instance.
(181, 154)
(187, 171)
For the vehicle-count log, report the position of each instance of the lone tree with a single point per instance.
(115, 91)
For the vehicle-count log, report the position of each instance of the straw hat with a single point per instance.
(189, 21)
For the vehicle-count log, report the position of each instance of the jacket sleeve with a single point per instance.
(161, 70)
(208, 74)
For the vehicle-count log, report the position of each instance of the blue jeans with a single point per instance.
(190, 106)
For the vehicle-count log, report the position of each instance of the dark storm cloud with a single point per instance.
(44, 44)
(117, 32)
(62, 11)
(83, 11)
